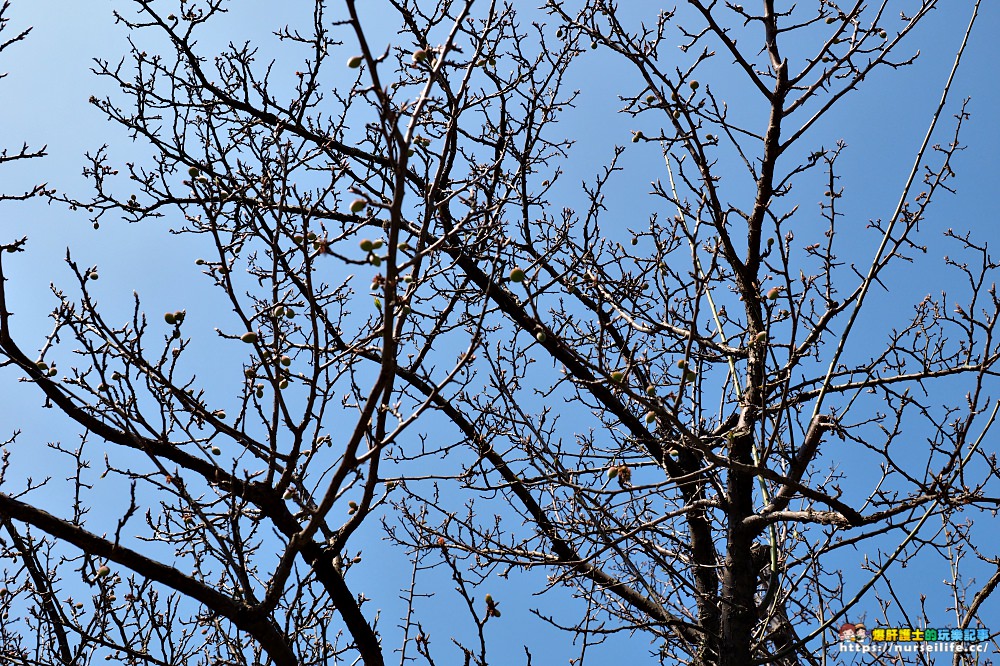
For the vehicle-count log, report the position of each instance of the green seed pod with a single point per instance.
(366, 245)
(617, 376)
(517, 275)
(355, 61)
(650, 417)
(694, 85)
(219, 414)
(612, 472)
(286, 361)
(216, 451)
(283, 384)
(93, 275)
(650, 99)
(170, 318)
(650, 390)
(541, 336)
(103, 571)
(358, 205)
(249, 337)
(193, 172)
(42, 365)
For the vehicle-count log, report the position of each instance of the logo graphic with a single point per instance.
(854, 637)
(853, 633)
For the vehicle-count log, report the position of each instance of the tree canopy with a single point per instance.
(680, 390)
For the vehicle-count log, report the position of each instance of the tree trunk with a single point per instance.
(739, 575)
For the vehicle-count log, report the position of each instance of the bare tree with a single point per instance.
(25, 152)
(658, 417)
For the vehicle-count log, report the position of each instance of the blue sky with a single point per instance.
(50, 82)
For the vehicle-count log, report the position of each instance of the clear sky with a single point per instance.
(46, 96)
